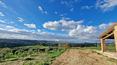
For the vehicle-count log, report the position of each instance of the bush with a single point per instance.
(29, 59)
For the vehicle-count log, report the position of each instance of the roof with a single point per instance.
(108, 31)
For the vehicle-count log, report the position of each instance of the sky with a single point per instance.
(56, 20)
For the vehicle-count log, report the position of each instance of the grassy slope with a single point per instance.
(29, 55)
(110, 47)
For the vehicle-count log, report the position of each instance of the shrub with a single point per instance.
(29, 59)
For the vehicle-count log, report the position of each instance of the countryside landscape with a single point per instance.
(58, 32)
(52, 53)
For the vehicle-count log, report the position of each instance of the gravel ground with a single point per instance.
(82, 57)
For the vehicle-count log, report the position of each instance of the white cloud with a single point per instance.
(90, 29)
(9, 28)
(8, 35)
(38, 30)
(106, 5)
(32, 36)
(41, 9)
(76, 29)
(63, 15)
(1, 14)
(3, 4)
(104, 26)
(12, 32)
(30, 25)
(83, 32)
(12, 29)
(51, 25)
(63, 24)
(86, 7)
(15, 35)
(2, 21)
(20, 19)
(69, 3)
(88, 32)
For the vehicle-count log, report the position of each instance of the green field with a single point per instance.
(29, 55)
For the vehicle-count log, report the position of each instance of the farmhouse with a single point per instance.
(110, 33)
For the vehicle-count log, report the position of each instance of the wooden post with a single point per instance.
(103, 45)
(115, 37)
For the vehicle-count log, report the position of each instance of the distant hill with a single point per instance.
(20, 42)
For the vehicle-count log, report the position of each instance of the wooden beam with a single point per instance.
(115, 37)
(103, 45)
(107, 36)
(110, 29)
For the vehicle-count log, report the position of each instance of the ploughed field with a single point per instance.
(83, 57)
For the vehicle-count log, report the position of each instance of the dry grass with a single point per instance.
(82, 57)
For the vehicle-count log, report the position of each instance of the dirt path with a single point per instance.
(82, 57)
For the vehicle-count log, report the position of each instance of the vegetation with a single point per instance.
(111, 47)
(39, 54)
(30, 55)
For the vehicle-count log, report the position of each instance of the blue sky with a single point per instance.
(60, 20)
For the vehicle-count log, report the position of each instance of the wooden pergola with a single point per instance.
(111, 33)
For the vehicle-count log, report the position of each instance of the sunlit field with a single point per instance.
(29, 55)
(41, 55)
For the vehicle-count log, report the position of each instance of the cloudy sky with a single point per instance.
(59, 20)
